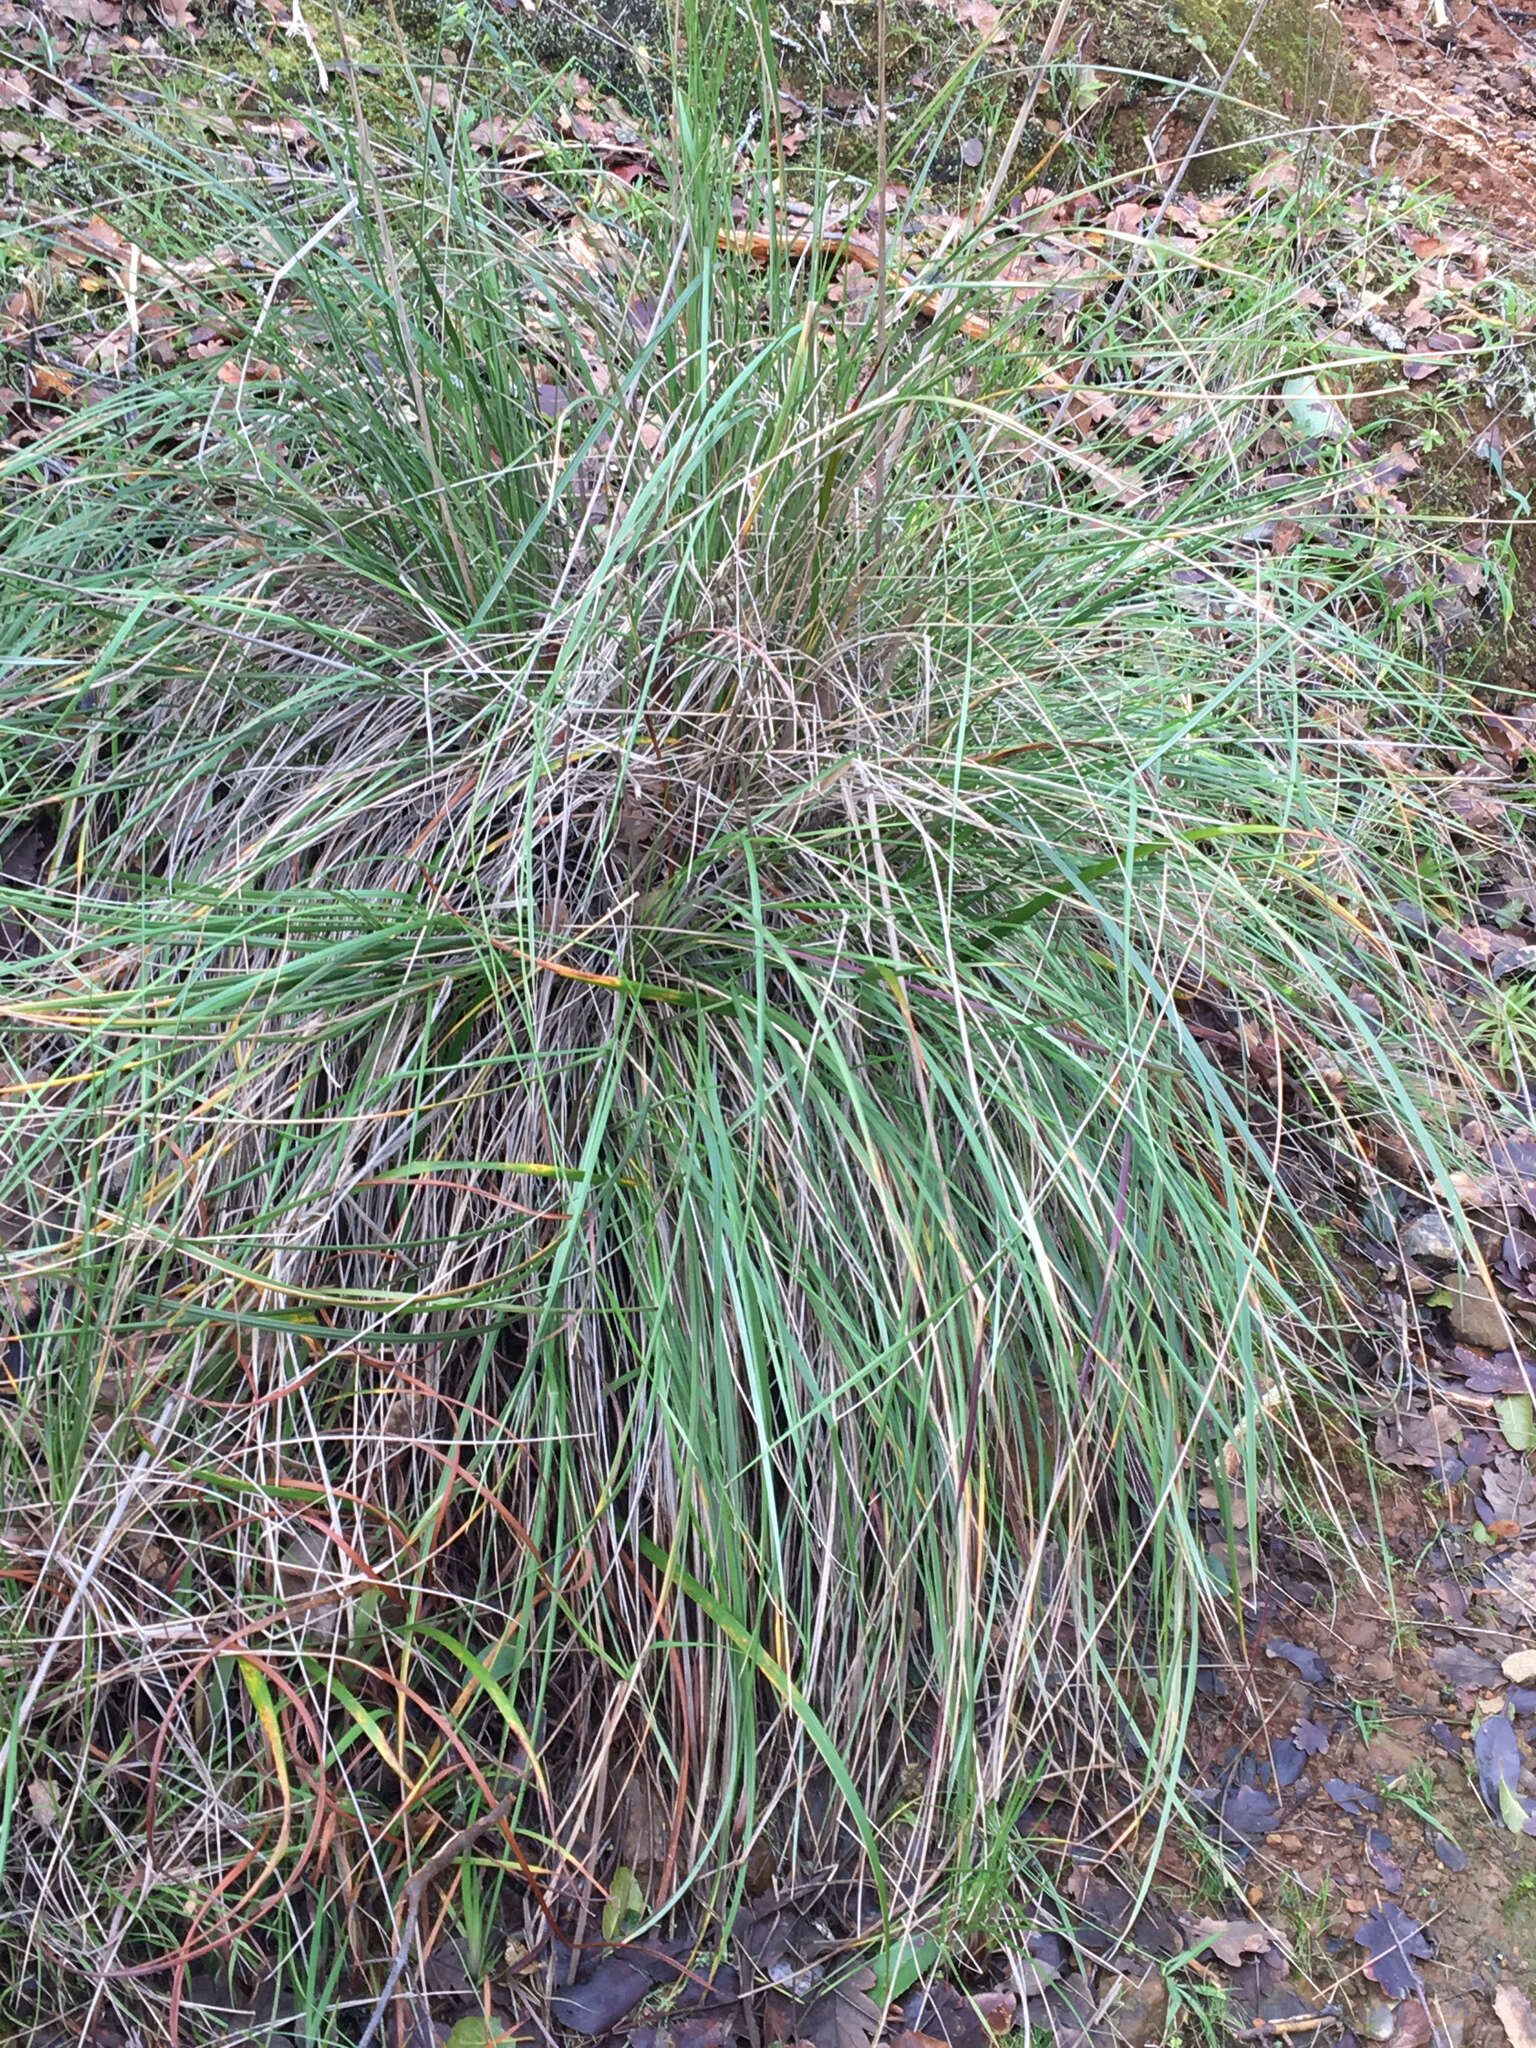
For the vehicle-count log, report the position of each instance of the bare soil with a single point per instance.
(1454, 86)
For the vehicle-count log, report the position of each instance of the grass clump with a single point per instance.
(624, 1181)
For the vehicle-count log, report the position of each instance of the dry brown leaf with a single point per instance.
(105, 351)
(1280, 174)
(499, 136)
(286, 128)
(49, 385)
(92, 241)
(20, 313)
(1479, 813)
(1516, 2014)
(1087, 409)
(1230, 1940)
(249, 369)
(980, 15)
(88, 13)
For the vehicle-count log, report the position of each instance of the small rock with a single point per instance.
(1520, 1667)
(1450, 2017)
(1430, 1237)
(1476, 1317)
(1389, 1757)
(1413, 2026)
(1380, 2020)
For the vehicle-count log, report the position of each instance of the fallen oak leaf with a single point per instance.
(106, 352)
(1228, 1940)
(1391, 1941)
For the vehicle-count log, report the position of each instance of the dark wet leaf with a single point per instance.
(1407, 1440)
(1448, 1853)
(1514, 1155)
(1108, 1907)
(1284, 2004)
(616, 1982)
(1353, 1798)
(1447, 1738)
(1289, 1760)
(1469, 1668)
(601, 1997)
(845, 2016)
(1313, 1668)
(1249, 1812)
(1310, 1737)
(721, 1987)
(1391, 1940)
(1378, 1853)
(1496, 1751)
(770, 1934)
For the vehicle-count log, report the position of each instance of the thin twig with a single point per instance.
(1278, 2030)
(1022, 118)
(412, 1892)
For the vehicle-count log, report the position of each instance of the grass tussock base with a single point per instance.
(616, 1185)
